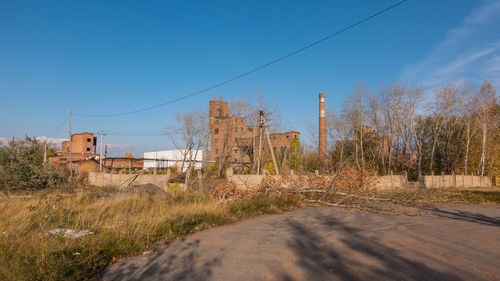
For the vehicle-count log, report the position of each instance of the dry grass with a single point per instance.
(432, 196)
(123, 224)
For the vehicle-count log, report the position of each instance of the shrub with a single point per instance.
(22, 167)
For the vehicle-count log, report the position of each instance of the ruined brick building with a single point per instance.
(84, 157)
(83, 146)
(233, 141)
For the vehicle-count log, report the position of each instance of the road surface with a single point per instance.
(448, 243)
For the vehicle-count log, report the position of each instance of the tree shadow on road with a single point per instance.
(167, 263)
(355, 257)
(465, 216)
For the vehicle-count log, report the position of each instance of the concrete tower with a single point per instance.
(322, 126)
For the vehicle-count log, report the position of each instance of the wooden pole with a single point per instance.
(70, 147)
(272, 152)
(100, 156)
(260, 141)
(45, 152)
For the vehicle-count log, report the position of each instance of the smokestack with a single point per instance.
(322, 126)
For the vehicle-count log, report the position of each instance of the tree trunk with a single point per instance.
(483, 149)
(466, 164)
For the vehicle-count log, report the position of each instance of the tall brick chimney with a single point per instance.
(322, 126)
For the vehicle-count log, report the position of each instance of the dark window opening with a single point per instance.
(216, 131)
(89, 140)
(88, 149)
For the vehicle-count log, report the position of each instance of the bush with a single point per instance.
(22, 167)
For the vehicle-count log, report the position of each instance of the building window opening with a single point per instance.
(216, 131)
(88, 148)
(216, 151)
(89, 140)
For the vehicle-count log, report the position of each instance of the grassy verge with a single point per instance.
(433, 196)
(123, 225)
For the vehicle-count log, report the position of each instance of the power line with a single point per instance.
(144, 133)
(58, 127)
(250, 71)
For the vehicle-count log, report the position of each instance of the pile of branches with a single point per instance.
(229, 191)
(342, 188)
(309, 187)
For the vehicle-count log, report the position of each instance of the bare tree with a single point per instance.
(469, 117)
(449, 106)
(190, 135)
(391, 97)
(486, 103)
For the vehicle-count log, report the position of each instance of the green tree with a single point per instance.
(296, 152)
(22, 167)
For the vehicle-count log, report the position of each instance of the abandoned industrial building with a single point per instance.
(235, 142)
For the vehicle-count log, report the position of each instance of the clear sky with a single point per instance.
(102, 57)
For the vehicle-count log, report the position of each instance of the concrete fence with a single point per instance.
(431, 181)
(124, 180)
(381, 182)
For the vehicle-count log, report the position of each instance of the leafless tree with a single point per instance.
(469, 117)
(190, 135)
(486, 100)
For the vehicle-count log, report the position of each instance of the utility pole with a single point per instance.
(261, 118)
(263, 129)
(100, 155)
(70, 147)
(271, 148)
(45, 152)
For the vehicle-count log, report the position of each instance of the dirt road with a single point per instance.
(449, 243)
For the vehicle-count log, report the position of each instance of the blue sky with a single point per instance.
(102, 57)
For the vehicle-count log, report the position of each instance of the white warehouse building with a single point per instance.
(176, 157)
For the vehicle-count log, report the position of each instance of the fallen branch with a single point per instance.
(336, 204)
(334, 178)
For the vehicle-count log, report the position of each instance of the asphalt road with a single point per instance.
(449, 243)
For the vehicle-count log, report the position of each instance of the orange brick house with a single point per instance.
(83, 147)
(84, 158)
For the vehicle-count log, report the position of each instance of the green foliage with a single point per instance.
(296, 152)
(269, 167)
(22, 167)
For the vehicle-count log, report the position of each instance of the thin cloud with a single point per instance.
(465, 51)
